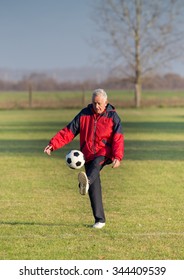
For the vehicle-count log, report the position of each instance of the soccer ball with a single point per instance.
(75, 159)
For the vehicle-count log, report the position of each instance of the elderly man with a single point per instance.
(102, 143)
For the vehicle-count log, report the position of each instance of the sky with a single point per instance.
(49, 34)
(45, 34)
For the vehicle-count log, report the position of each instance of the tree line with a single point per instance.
(38, 82)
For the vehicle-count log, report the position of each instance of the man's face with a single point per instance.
(99, 104)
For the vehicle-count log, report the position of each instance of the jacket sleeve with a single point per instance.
(118, 139)
(67, 134)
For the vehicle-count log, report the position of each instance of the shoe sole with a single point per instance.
(83, 183)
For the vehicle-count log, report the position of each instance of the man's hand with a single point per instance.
(115, 163)
(48, 150)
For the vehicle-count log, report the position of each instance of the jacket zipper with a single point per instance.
(94, 136)
(94, 132)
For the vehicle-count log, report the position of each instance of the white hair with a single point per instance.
(98, 92)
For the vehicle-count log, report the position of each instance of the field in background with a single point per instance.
(67, 99)
(42, 215)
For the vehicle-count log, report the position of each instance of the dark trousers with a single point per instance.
(95, 191)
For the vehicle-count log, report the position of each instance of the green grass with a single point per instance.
(42, 215)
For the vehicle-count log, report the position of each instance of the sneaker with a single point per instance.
(83, 183)
(98, 225)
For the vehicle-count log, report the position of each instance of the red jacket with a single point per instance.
(100, 135)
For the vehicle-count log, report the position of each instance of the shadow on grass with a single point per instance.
(15, 223)
(28, 147)
(154, 127)
(19, 223)
(32, 127)
(54, 127)
(134, 149)
(154, 150)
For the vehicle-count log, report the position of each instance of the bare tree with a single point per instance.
(138, 36)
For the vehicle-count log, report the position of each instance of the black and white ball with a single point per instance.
(75, 159)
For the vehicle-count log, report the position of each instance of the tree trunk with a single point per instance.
(138, 73)
(138, 91)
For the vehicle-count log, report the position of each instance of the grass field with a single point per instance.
(42, 215)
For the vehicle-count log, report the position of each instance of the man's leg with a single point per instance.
(95, 195)
(95, 192)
